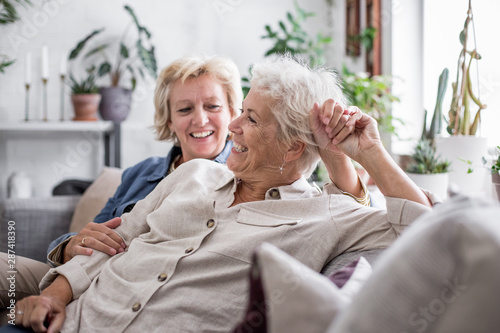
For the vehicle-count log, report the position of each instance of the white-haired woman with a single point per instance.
(195, 100)
(190, 241)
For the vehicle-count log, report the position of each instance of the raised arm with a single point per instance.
(325, 119)
(358, 137)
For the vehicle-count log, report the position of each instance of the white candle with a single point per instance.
(28, 68)
(63, 64)
(45, 62)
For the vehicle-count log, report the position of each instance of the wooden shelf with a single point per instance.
(55, 125)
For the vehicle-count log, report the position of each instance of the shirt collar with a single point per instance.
(298, 189)
(162, 170)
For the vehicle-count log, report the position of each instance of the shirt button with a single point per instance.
(275, 194)
(189, 250)
(162, 277)
(210, 223)
(136, 307)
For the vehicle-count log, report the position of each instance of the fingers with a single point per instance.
(56, 323)
(32, 312)
(354, 115)
(96, 236)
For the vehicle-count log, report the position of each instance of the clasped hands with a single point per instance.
(338, 130)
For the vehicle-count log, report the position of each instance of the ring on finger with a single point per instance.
(19, 312)
(83, 241)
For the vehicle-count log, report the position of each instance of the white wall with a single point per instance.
(225, 27)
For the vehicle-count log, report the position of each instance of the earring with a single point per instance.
(281, 167)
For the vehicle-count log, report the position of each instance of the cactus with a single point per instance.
(436, 123)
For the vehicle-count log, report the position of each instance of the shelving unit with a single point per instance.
(110, 131)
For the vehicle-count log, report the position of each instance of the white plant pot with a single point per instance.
(437, 183)
(458, 149)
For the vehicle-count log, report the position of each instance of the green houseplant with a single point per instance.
(463, 123)
(460, 113)
(428, 170)
(85, 95)
(373, 95)
(133, 60)
(290, 37)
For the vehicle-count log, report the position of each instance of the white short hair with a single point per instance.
(293, 88)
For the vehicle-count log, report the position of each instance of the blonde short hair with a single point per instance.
(293, 88)
(223, 70)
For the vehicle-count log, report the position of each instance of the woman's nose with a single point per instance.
(234, 125)
(200, 117)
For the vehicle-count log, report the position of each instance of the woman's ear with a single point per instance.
(295, 151)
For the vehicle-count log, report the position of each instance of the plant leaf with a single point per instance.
(147, 57)
(96, 50)
(104, 69)
(81, 44)
(124, 51)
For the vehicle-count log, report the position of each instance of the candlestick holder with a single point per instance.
(27, 103)
(45, 106)
(61, 118)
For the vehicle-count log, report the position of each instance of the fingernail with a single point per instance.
(123, 245)
(112, 252)
(326, 120)
(335, 141)
(121, 249)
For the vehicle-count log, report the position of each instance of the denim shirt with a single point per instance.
(137, 182)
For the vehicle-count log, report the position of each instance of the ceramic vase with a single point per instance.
(437, 183)
(459, 150)
(115, 103)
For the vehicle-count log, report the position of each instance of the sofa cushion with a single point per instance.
(287, 296)
(95, 197)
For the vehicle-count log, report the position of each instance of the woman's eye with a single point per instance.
(183, 110)
(213, 107)
(250, 119)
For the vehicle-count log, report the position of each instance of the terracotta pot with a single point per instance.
(85, 106)
(115, 103)
(495, 178)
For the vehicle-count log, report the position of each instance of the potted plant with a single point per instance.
(463, 144)
(133, 60)
(292, 38)
(85, 96)
(428, 170)
(372, 94)
(495, 173)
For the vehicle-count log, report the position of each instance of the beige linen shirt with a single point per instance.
(188, 253)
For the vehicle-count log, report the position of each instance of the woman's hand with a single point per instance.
(338, 129)
(37, 311)
(326, 121)
(97, 236)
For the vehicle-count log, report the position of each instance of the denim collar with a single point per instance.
(161, 171)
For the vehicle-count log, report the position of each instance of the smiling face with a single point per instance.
(200, 116)
(256, 152)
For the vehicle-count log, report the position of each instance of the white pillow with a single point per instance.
(441, 275)
(287, 296)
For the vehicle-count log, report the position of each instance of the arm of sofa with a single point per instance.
(37, 222)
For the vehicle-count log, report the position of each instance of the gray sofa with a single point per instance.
(37, 222)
